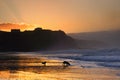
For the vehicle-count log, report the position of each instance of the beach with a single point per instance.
(28, 66)
(71, 74)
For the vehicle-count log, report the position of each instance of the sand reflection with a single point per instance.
(29, 67)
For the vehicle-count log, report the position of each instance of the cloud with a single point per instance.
(9, 26)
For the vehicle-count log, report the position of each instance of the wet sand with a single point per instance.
(59, 73)
(30, 68)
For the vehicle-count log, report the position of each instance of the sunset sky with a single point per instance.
(67, 15)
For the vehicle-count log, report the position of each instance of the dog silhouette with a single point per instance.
(66, 63)
(44, 63)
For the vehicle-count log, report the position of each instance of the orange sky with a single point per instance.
(23, 27)
(67, 15)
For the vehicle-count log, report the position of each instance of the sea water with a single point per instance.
(86, 64)
(109, 58)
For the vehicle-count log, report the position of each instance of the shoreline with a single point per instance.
(54, 70)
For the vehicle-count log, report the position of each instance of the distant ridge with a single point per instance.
(107, 38)
(36, 40)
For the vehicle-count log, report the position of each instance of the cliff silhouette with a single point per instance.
(36, 40)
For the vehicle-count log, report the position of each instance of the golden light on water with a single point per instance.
(84, 74)
(29, 67)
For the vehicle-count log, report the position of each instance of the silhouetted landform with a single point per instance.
(36, 40)
(90, 44)
(101, 39)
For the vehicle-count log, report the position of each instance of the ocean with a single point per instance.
(86, 64)
(88, 58)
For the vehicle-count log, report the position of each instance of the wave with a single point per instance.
(100, 57)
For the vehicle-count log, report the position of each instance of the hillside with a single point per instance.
(36, 40)
(100, 39)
